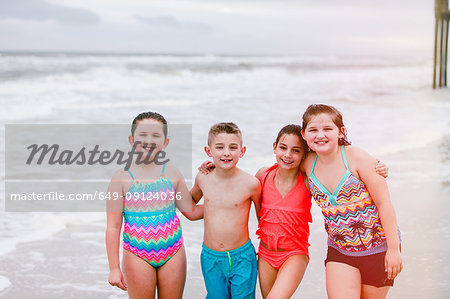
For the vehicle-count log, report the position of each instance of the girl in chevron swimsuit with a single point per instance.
(363, 240)
(152, 230)
(154, 255)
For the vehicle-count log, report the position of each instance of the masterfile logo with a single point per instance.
(61, 167)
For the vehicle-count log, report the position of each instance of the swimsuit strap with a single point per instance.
(343, 157)
(263, 177)
(314, 165)
(131, 174)
(332, 197)
(162, 173)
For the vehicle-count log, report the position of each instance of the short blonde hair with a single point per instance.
(224, 127)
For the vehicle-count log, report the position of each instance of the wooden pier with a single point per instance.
(442, 15)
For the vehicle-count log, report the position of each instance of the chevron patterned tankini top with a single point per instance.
(351, 217)
(152, 229)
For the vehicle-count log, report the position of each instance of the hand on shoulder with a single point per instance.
(260, 171)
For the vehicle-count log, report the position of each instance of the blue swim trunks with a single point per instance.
(230, 274)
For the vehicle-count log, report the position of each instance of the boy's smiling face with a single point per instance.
(225, 150)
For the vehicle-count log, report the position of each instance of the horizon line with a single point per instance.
(192, 54)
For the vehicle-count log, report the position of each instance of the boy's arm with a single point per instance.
(114, 218)
(184, 200)
(256, 196)
(379, 192)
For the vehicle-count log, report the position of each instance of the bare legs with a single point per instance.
(143, 279)
(172, 276)
(344, 281)
(281, 283)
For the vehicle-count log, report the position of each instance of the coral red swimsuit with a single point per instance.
(284, 221)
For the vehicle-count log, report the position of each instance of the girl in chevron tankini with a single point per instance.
(363, 242)
(144, 198)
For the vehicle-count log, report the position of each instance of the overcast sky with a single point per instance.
(353, 27)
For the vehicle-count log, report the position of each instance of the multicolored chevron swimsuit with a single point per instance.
(352, 221)
(152, 230)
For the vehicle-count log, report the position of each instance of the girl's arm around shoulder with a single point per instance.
(114, 214)
(378, 190)
(183, 198)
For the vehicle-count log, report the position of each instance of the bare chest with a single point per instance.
(225, 196)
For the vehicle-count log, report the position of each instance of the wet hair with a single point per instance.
(336, 117)
(149, 115)
(224, 127)
(293, 130)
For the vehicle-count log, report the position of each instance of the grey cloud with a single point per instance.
(161, 21)
(173, 23)
(43, 10)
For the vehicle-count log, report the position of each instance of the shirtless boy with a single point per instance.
(228, 257)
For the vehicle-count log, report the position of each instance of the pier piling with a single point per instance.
(442, 16)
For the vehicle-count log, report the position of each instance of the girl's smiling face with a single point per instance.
(289, 151)
(321, 133)
(150, 135)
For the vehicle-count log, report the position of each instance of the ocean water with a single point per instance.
(389, 109)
